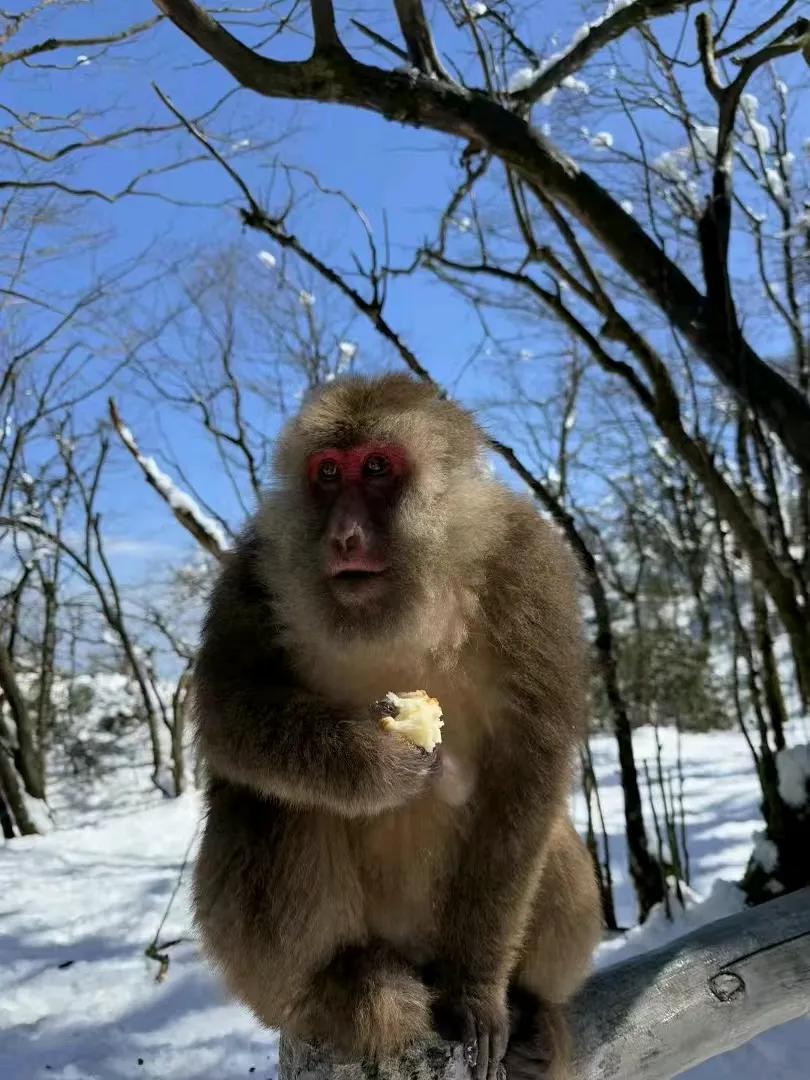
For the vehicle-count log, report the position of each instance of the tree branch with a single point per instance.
(52, 44)
(659, 400)
(472, 115)
(378, 39)
(324, 29)
(194, 523)
(601, 33)
(653, 1017)
(752, 36)
(703, 25)
(714, 227)
(416, 32)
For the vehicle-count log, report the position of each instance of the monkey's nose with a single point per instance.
(352, 543)
(347, 542)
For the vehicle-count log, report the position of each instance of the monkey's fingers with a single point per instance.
(492, 1037)
(454, 1022)
(483, 1035)
(482, 1058)
(383, 707)
(498, 1041)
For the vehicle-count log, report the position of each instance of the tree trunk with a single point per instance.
(180, 703)
(772, 688)
(652, 1017)
(11, 795)
(645, 870)
(6, 820)
(44, 708)
(28, 756)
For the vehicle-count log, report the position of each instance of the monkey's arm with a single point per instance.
(488, 904)
(521, 786)
(259, 728)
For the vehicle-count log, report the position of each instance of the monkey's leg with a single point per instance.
(277, 899)
(538, 1044)
(365, 1003)
(564, 930)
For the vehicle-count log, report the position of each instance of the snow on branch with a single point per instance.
(651, 1017)
(619, 17)
(205, 530)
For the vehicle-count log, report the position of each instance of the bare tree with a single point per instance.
(495, 121)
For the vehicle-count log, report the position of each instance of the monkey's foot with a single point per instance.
(483, 1029)
(366, 1004)
(538, 1045)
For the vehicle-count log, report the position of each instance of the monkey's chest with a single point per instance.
(403, 859)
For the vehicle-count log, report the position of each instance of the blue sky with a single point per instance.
(398, 176)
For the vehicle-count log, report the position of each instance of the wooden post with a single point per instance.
(650, 1018)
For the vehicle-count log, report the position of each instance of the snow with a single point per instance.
(525, 76)
(723, 900)
(758, 134)
(766, 854)
(79, 999)
(267, 259)
(670, 164)
(522, 78)
(707, 137)
(602, 140)
(579, 86)
(776, 185)
(306, 299)
(793, 765)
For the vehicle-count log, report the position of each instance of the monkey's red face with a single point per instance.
(355, 491)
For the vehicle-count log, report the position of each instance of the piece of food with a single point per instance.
(418, 718)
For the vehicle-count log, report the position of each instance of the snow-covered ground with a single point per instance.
(78, 997)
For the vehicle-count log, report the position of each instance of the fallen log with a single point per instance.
(649, 1018)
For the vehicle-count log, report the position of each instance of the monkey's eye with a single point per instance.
(328, 470)
(376, 465)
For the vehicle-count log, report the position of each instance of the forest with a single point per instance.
(588, 222)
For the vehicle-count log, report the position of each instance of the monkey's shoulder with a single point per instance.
(531, 603)
(532, 559)
(242, 628)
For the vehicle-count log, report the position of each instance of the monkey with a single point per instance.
(353, 889)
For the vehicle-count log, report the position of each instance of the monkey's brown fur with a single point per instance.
(345, 883)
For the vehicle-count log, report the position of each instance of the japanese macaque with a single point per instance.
(353, 888)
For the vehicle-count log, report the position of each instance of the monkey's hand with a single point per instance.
(476, 1017)
(416, 717)
(408, 769)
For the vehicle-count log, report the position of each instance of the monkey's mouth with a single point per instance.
(351, 576)
(356, 566)
(359, 587)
